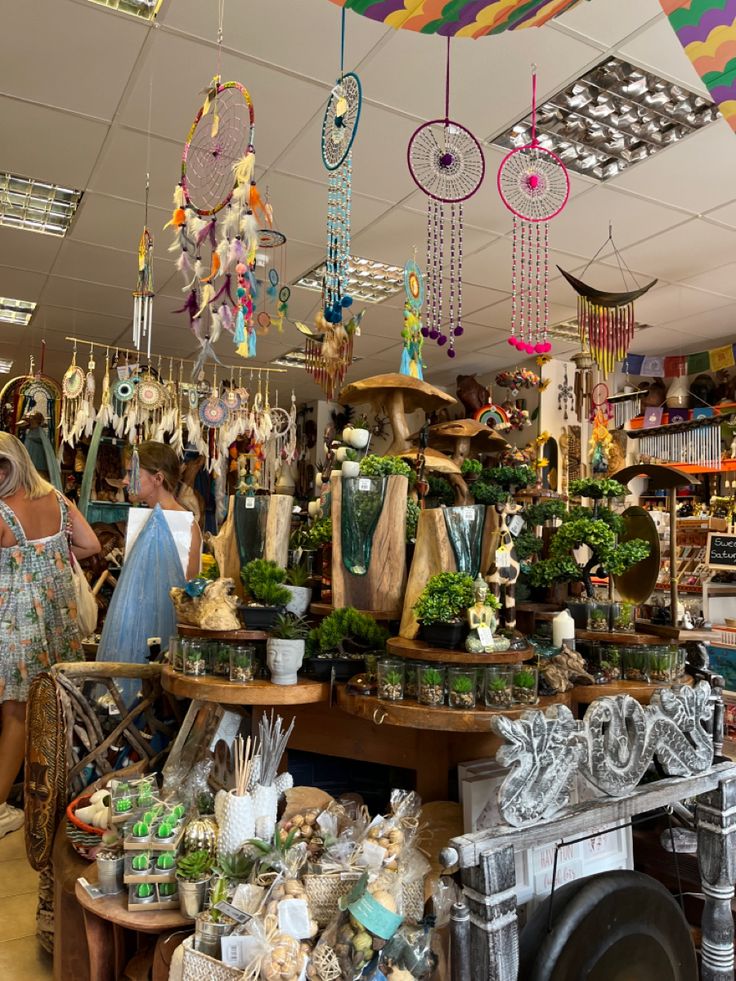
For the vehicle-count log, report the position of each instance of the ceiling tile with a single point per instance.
(20, 284)
(665, 304)
(683, 251)
(659, 340)
(721, 280)
(609, 24)
(95, 263)
(72, 55)
(28, 250)
(707, 329)
(121, 168)
(102, 220)
(75, 294)
(658, 49)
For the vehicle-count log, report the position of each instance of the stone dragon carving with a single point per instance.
(612, 747)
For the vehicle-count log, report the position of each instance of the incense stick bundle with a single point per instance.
(273, 744)
(243, 756)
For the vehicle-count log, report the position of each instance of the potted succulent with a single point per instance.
(297, 578)
(211, 925)
(442, 606)
(636, 664)
(341, 641)
(432, 685)
(525, 685)
(461, 687)
(623, 617)
(499, 692)
(264, 582)
(610, 662)
(351, 464)
(391, 680)
(193, 872)
(358, 435)
(663, 664)
(598, 616)
(285, 648)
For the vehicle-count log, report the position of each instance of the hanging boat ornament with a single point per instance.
(339, 128)
(447, 164)
(534, 185)
(606, 320)
(411, 334)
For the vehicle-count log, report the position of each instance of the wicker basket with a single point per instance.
(324, 892)
(202, 967)
(85, 838)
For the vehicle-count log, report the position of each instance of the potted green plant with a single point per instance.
(636, 663)
(432, 685)
(351, 464)
(357, 435)
(623, 617)
(384, 466)
(598, 616)
(341, 641)
(285, 648)
(441, 607)
(524, 689)
(211, 925)
(471, 470)
(461, 687)
(297, 579)
(610, 662)
(264, 583)
(193, 872)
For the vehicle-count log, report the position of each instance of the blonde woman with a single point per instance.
(38, 614)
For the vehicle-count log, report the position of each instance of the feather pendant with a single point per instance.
(184, 265)
(195, 224)
(178, 219)
(223, 252)
(230, 221)
(240, 197)
(244, 168)
(180, 199)
(236, 253)
(214, 268)
(189, 286)
(250, 232)
(226, 317)
(208, 230)
(198, 267)
(208, 293)
(225, 289)
(215, 327)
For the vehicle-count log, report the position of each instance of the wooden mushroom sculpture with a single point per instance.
(434, 462)
(398, 395)
(463, 438)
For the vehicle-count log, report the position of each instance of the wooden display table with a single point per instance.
(417, 650)
(443, 718)
(209, 688)
(619, 637)
(106, 921)
(185, 630)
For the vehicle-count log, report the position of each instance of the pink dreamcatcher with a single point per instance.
(217, 212)
(534, 185)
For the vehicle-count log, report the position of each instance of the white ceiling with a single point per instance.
(77, 91)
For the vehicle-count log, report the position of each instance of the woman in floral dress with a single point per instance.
(38, 612)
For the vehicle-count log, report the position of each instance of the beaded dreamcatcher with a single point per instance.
(534, 185)
(411, 334)
(217, 209)
(446, 163)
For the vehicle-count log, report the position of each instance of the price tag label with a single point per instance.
(239, 952)
(294, 918)
(250, 503)
(485, 636)
(364, 484)
(516, 524)
(503, 558)
(468, 514)
(233, 912)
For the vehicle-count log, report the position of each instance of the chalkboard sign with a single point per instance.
(721, 552)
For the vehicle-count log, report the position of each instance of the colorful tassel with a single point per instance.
(239, 336)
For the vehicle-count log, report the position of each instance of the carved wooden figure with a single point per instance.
(507, 566)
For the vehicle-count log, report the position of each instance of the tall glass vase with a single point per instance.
(362, 503)
(465, 530)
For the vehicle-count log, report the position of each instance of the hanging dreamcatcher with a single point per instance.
(339, 128)
(446, 162)
(72, 390)
(216, 219)
(143, 293)
(534, 185)
(606, 320)
(411, 334)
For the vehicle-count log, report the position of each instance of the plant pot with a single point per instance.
(579, 613)
(110, 875)
(284, 659)
(192, 896)
(208, 934)
(359, 438)
(320, 668)
(300, 598)
(260, 617)
(236, 819)
(265, 808)
(447, 635)
(350, 468)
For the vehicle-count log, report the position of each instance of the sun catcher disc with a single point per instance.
(446, 161)
(213, 413)
(533, 183)
(123, 389)
(73, 382)
(338, 130)
(150, 394)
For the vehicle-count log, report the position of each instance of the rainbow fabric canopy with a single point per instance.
(707, 31)
(459, 18)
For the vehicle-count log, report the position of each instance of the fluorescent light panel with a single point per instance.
(296, 358)
(611, 118)
(5, 366)
(18, 312)
(35, 205)
(146, 9)
(368, 280)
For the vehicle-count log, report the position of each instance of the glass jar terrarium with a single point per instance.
(610, 662)
(524, 685)
(598, 616)
(499, 684)
(195, 658)
(391, 679)
(623, 617)
(220, 659)
(431, 684)
(175, 653)
(663, 664)
(411, 675)
(241, 662)
(636, 663)
(461, 683)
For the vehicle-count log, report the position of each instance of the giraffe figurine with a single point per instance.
(506, 567)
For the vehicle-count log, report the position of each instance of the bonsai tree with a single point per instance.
(264, 582)
(471, 468)
(346, 633)
(599, 530)
(495, 483)
(445, 598)
(528, 544)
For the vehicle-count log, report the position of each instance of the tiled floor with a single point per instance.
(21, 957)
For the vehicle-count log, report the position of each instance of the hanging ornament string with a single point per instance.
(446, 162)
(534, 185)
(143, 293)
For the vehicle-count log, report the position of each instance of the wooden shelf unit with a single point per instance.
(417, 650)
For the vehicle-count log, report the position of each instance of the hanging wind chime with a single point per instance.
(143, 293)
(411, 334)
(446, 162)
(534, 185)
(606, 320)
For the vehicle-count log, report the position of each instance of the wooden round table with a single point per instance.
(106, 921)
(210, 688)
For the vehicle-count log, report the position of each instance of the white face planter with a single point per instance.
(284, 660)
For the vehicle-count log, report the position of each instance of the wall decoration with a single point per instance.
(447, 164)
(534, 185)
(717, 359)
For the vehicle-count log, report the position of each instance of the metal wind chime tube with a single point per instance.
(143, 294)
(694, 446)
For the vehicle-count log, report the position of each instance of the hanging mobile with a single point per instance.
(411, 334)
(339, 128)
(565, 395)
(446, 162)
(534, 185)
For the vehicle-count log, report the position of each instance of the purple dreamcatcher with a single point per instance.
(446, 162)
(534, 185)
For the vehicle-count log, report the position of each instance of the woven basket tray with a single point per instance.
(202, 967)
(324, 892)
